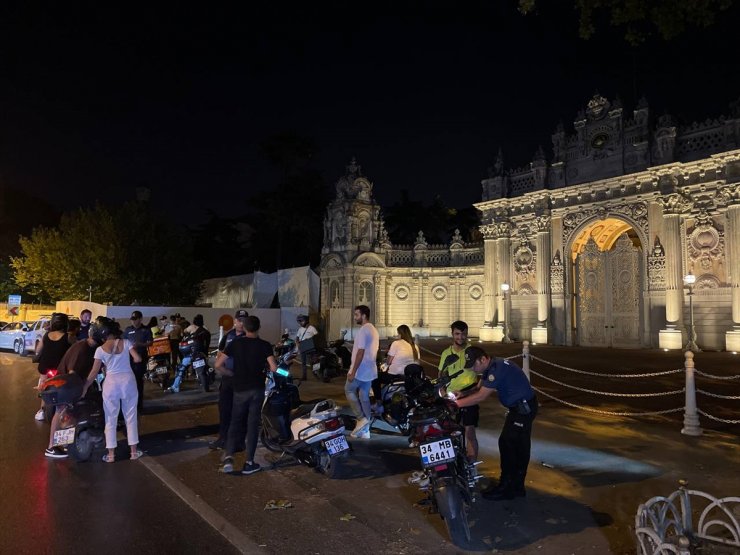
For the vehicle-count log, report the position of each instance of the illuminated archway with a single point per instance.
(604, 233)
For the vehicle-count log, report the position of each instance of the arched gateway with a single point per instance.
(586, 247)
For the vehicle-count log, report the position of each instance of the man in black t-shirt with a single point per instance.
(250, 357)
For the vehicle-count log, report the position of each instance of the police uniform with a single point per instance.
(139, 335)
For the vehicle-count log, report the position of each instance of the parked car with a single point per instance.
(33, 335)
(12, 336)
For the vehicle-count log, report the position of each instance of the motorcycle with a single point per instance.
(160, 362)
(82, 420)
(311, 432)
(193, 356)
(447, 477)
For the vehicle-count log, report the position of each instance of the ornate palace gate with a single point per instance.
(608, 295)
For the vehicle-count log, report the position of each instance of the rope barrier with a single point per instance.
(716, 418)
(712, 376)
(602, 375)
(718, 396)
(608, 393)
(609, 413)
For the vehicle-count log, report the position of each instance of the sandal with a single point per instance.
(139, 453)
(109, 458)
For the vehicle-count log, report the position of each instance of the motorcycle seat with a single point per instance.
(302, 410)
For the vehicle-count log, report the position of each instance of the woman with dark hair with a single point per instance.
(54, 344)
(119, 387)
(403, 351)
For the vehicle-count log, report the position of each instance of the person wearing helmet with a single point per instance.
(305, 331)
(54, 344)
(202, 337)
(79, 360)
(464, 383)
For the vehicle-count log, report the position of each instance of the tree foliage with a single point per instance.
(641, 19)
(124, 256)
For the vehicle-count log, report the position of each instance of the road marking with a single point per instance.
(230, 532)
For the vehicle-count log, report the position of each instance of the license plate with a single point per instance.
(64, 437)
(336, 445)
(436, 452)
(160, 371)
(316, 367)
(199, 363)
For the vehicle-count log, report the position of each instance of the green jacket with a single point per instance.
(464, 380)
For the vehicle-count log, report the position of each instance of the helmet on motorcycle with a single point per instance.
(103, 328)
(59, 322)
(302, 319)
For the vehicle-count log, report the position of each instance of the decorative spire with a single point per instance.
(498, 166)
(354, 168)
(539, 155)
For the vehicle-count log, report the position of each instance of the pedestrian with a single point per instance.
(140, 337)
(464, 382)
(174, 332)
(119, 388)
(516, 394)
(402, 352)
(73, 330)
(362, 371)
(250, 355)
(305, 331)
(201, 341)
(226, 388)
(79, 360)
(54, 344)
(153, 326)
(85, 319)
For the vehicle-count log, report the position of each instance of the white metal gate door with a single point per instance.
(592, 327)
(624, 271)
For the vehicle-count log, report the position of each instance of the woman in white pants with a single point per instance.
(119, 387)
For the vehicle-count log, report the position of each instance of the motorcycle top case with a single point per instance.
(62, 389)
(159, 347)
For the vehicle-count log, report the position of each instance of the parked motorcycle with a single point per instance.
(312, 432)
(193, 356)
(82, 420)
(160, 362)
(447, 478)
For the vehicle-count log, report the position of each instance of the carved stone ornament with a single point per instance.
(439, 292)
(597, 107)
(729, 195)
(401, 292)
(636, 212)
(457, 238)
(675, 203)
(542, 223)
(475, 291)
(488, 231)
(656, 267)
(524, 261)
(557, 282)
(705, 242)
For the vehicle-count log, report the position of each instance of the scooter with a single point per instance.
(160, 362)
(311, 432)
(82, 420)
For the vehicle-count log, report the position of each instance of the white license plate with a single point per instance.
(316, 367)
(336, 445)
(436, 452)
(64, 437)
(199, 363)
(161, 371)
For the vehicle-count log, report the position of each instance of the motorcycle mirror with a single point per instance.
(452, 358)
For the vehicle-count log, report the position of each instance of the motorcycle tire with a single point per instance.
(328, 466)
(48, 413)
(203, 379)
(82, 448)
(457, 516)
(270, 444)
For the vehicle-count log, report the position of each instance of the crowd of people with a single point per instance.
(243, 358)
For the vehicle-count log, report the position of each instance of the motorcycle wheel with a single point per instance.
(457, 527)
(82, 448)
(203, 379)
(48, 413)
(270, 444)
(328, 466)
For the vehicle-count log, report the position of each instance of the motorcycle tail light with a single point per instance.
(332, 424)
(440, 467)
(51, 372)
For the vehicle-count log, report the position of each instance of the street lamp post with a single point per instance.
(689, 280)
(505, 290)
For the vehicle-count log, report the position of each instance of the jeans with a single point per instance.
(225, 406)
(119, 390)
(360, 407)
(246, 411)
(181, 372)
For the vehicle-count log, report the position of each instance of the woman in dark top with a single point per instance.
(53, 346)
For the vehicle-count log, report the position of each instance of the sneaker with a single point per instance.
(172, 390)
(55, 453)
(361, 423)
(228, 466)
(39, 415)
(251, 468)
(216, 444)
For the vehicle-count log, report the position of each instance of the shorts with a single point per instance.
(469, 416)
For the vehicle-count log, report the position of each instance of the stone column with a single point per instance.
(389, 300)
(674, 206)
(489, 281)
(504, 269)
(544, 254)
(379, 317)
(461, 299)
(730, 195)
(454, 297)
(425, 299)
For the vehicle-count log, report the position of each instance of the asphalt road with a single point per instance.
(587, 476)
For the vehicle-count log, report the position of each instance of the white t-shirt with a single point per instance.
(305, 333)
(115, 363)
(403, 354)
(366, 338)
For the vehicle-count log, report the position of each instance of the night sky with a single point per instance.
(97, 101)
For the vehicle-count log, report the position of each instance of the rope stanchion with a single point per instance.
(607, 412)
(603, 375)
(608, 393)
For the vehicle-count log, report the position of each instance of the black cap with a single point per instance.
(136, 315)
(241, 313)
(472, 354)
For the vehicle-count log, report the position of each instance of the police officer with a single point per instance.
(226, 388)
(517, 395)
(140, 338)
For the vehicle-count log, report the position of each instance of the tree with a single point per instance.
(642, 18)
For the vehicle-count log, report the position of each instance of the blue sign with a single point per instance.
(14, 300)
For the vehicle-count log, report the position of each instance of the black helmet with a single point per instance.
(102, 328)
(302, 318)
(59, 322)
(198, 320)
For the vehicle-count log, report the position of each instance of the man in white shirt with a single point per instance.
(362, 371)
(305, 331)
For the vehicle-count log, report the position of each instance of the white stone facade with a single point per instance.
(593, 245)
